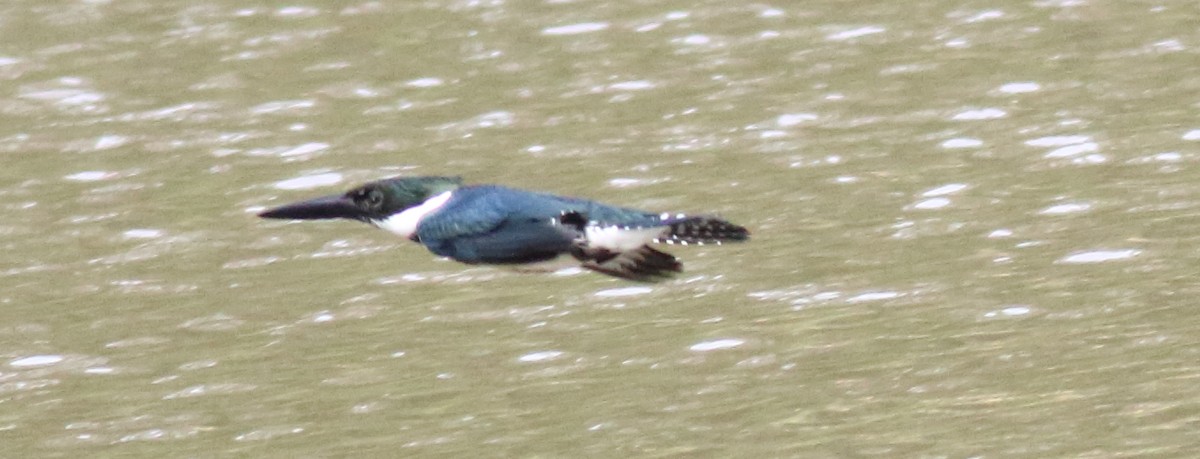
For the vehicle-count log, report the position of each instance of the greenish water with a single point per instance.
(973, 229)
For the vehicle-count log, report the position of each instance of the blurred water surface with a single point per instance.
(974, 229)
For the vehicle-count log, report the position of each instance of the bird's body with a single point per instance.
(499, 225)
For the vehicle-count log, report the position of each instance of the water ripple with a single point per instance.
(717, 344)
(1066, 208)
(623, 291)
(961, 142)
(310, 181)
(541, 356)
(980, 114)
(576, 29)
(36, 361)
(1099, 256)
(850, 34)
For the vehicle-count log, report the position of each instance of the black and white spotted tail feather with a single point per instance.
(646, 263)
(686, 230)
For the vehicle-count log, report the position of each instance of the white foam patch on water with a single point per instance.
(980, 114)
(696, 40)
(1058, 140)
(627, 182)
(1073, 150)
(932, 203)
(1167, 157)
(717, 344)
(1099, 256)
(771, 13)
(143, 233)
(201, 390)
(826, 296)
(576, 29)
(1169, 45)
(1193, 134)
(91, 176)
(283, 151)
(873, 296)
(498, 118)
(1000, 233)
(1068, 208)
(540, 356)
(297, 11)
(623, 291)
(635, 85)
(943, 190)
(962, 142)
(1016, 310)
(1019, 87)
(66, 96)
(792, 119)
(1011, 311)
(36, 360)
(624, 182)
(361, 91)
(282, 105)
(304, 149)
(985, 15)
(109, 141)
(648, 27)
(309, 181)
(855, 33)
(427, 82)
(958, 43)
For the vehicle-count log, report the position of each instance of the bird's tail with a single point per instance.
(622, 250)
(684, 230)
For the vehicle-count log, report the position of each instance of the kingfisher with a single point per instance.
(493, 224)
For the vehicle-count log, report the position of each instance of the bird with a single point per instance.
(499, 225)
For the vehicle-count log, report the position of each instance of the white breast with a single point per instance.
(404, 224)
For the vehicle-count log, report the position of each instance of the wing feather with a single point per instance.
(488, 224)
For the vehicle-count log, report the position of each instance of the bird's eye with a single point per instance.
(369, 198)
(374, 199)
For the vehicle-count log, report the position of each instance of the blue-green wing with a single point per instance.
(487, 224)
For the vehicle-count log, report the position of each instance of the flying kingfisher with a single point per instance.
(499, 225)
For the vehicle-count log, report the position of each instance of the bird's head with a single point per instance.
(370, 202)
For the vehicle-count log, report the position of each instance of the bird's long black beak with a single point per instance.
(326, 207)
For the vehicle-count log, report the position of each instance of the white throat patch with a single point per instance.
(404, 224)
